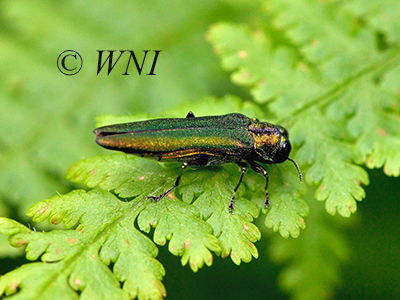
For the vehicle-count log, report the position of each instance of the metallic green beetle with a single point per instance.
(202, 141)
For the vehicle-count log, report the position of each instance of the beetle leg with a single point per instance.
(259, 169)
(243, 165)
(157, 198)
(190, 115)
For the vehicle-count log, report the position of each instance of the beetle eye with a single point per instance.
(283, 153)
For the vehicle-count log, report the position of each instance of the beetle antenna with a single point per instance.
(297, 167)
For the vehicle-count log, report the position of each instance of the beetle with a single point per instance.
(203, 141)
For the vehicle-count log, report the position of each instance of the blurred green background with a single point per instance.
(46, 122)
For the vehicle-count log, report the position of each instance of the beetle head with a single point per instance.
(272, 145)
(271, 142)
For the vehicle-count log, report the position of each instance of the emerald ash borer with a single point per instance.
(202, 141)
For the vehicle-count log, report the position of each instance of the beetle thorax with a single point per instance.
(264, 135)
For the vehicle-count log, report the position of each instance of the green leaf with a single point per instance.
(287, 209)
(212, 190)
(378, 140)
(104, 234)
(24, 281)
(125, 175)
(330, 72)
(331, 168)
(382, 16)
(189, 236)
(174, 220)
(326, 87)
